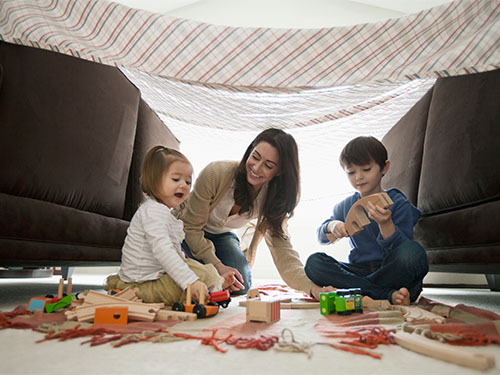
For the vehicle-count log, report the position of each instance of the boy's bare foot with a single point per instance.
(229, 280)
(401, 297)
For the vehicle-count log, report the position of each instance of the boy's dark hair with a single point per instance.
(362, 150)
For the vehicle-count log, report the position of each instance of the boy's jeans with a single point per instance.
(404, 265)
(228, 250)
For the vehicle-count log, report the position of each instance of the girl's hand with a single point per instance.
(199, 292)
(337, 228)
(238, 279)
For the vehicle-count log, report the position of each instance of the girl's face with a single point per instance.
(262, 165)
(176, 184)
(366, 178)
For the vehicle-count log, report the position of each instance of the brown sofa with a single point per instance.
(72, 138)
(445, 157)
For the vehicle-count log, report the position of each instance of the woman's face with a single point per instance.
(262, 165)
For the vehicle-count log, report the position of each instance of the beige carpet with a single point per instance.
(20, 354)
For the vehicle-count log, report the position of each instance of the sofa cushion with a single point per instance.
(405, 143)
(151, 131)
(462, 141)
(71, 141)
(33, 230)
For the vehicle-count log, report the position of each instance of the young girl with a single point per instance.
(152, 259)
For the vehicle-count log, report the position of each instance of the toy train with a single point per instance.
(204, 310)
(342, 302)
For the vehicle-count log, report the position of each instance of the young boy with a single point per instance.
(385, 261)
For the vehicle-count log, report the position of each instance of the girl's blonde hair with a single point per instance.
(155, 165)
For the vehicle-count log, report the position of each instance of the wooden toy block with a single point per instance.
(175, 315)
(253, 294)
(356, 218)
(136, 311)
(454, 354)
(111, 315)
(60, 289)
(37, 303)
(263, 311)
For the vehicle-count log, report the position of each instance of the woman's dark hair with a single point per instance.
(362, 150)
(283, 190)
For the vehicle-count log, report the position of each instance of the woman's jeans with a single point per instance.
(404, 265)
(228, 250)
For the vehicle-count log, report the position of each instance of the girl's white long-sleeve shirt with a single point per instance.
(153, 247)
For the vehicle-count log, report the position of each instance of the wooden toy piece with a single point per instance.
(222, 298)
(62, 302)
(136, 311)
(460, 356)
(200, 309)
(356, 217)
(37, 303)
(127, 294)
(111, 315)
(69, 286)
(263, 311)
(60, 290)
(253, 294)
(175, 315)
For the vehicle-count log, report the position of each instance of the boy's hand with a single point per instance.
(199, 292)
(382, 217)
(337, 228)
(316, 290)
(379, 214)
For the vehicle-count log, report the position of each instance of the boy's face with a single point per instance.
(366, 178)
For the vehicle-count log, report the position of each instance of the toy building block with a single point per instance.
(460, 356)
(175, 315)
(111, 315)
(62, 302)
(263, 311)
(37, 303)
(356, 218)
(60, 290)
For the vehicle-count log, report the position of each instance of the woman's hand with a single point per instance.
(226, 270)
(199, 292)
(316, 290)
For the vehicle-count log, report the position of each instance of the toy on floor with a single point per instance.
(261, 311)
(341, 302)
(356, 218)
(201, 310)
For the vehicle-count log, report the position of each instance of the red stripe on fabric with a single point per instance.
(131, 39)
(432, 36)
(154, 41)
(21, 7)
(290, 77)
(176, 47)
(477, 32)
(494, 46)
(286, 57)
(201, 51)
(229, 53)
(257, 56)
(54, 18)
(347, 54)
(112, 32)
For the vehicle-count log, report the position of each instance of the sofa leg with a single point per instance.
(493, 282)
(67, 272)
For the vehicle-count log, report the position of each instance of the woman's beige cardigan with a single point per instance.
(208, 190)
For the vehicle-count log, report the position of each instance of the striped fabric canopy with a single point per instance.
(224, 83)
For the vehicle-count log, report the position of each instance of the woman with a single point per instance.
(229, 195)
